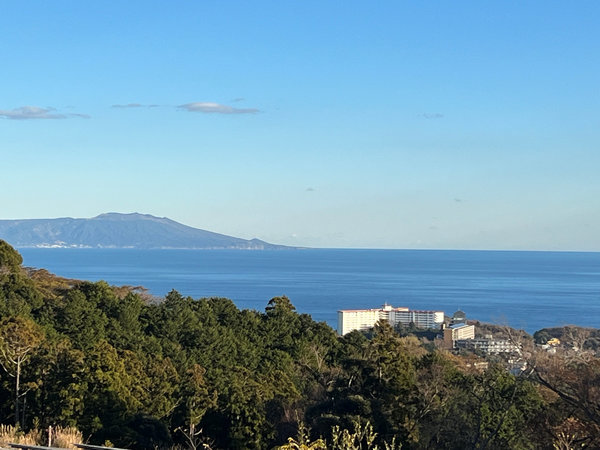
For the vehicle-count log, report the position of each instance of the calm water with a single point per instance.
(529, 290)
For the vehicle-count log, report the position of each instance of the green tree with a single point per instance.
(10, 259)
(196, 400)
(58, 371)
(18, 294)
(488, 410)
(81, 320)
(112, 391)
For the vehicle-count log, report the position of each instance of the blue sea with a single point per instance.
(529, 290)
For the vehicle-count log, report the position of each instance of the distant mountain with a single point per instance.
(115, 230)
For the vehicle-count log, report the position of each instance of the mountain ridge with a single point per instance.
(120, 230)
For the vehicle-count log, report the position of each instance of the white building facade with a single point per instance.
(459, 331)
(363, 319)
(488, 345)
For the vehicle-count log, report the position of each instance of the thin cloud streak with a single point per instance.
(36, 112)
(215, 108)
(433, 115)
(129, 105)
(133, 105)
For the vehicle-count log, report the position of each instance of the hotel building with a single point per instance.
(488, 345)
(363, 319)
(459, 331)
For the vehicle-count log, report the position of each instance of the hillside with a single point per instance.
(114, 230)
(189, 373)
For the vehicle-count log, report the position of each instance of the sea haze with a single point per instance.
(529, 290)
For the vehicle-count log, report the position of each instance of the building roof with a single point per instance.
(459, 325)
(459, 315)
(389, 308)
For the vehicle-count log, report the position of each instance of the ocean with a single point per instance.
(529, 290)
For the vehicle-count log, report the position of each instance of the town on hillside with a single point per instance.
(466, 337)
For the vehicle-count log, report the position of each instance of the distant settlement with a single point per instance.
(456, 333)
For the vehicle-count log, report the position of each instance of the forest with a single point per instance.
(128, 371)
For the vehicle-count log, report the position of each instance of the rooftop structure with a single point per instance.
(363, 319)
(458, 317)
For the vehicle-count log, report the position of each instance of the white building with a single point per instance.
(488, 345)
(456, 332)
(421, 319)
(363, 319)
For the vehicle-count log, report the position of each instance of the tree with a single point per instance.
(19, 337)
(282, 325)
(486, 410)
(18, 294)
(575, 378)
(112, 395)
(197, 400)
(57, 369)
(81, 320)
(10, 259)
(279, 306)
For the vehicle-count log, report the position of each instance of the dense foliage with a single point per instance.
(146, 374)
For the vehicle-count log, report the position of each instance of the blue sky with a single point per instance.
(382, 124)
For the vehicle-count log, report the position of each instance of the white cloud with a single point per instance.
(35, 112)
(216, 108)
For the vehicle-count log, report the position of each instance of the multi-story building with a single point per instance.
(421, 319)
(363, 319)
(488, 345)
(459, 331)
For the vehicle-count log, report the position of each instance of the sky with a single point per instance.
(352, 124)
